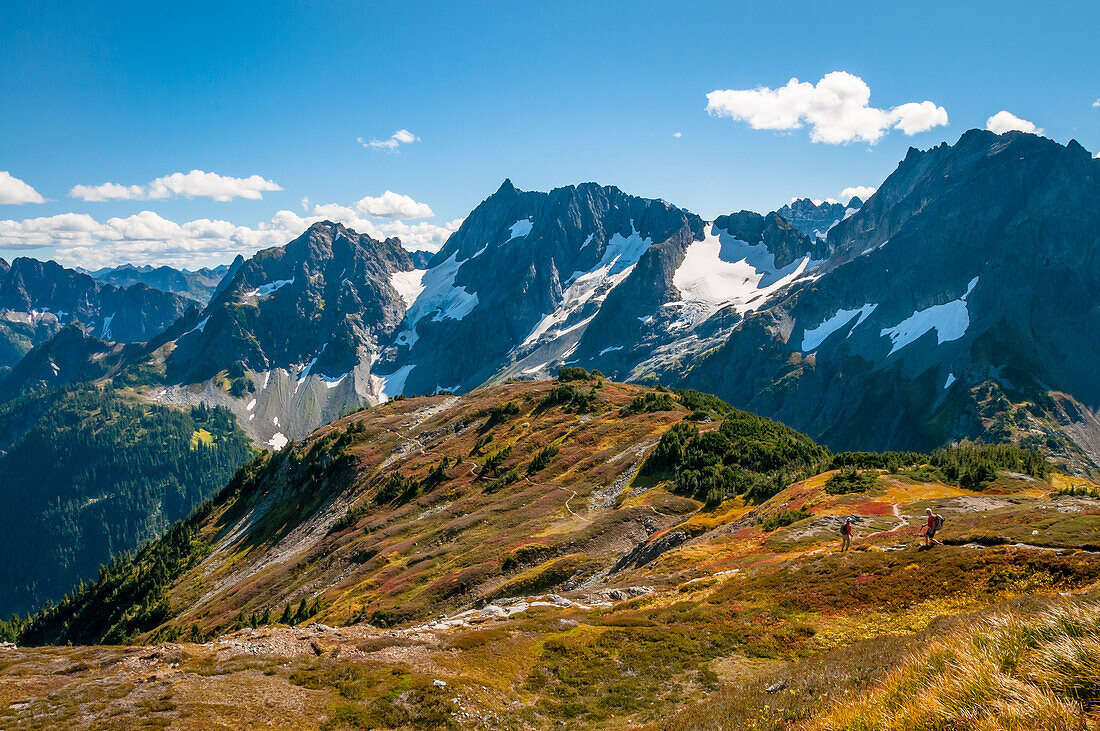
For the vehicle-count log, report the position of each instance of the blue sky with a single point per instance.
(547, 94)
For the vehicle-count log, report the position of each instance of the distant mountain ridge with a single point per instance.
(38, 298)
(198, 285)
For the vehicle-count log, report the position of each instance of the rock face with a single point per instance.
(38, 298)
(290, 336)
(967, 281)
(816, 219)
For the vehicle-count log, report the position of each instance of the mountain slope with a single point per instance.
(364, 577)
(288, 341)
(87, 474)
(955, 303)
(38, 298)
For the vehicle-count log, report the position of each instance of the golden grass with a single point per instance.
(1010, 671)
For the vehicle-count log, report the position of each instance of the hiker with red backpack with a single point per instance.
(846, 535)
(932, 526)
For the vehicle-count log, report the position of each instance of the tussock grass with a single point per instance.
(1009, 671)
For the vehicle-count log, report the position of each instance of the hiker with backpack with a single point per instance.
(932, 526)
(846, 535)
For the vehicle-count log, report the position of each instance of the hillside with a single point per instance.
(673, 561)
(88, 473)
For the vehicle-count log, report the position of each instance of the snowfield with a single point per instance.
(269, 288)
(408, 284)
(722, 270)
(438, 297)
(393, 384)
(520, 228)
(950, 321)
(811, 339)
(592, 286)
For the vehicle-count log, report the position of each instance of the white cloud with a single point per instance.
(394, 205)
(1003, 121)
(195, 184)
(1096, 104)
(78, 239)
(863, 192)
(836, 108)
(677, 135)
(390, 144)
(14, 190)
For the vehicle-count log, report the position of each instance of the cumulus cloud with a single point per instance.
(14, 190)
(394, 205)
(1096, 104)
(78, 239)
(391, 143)
(195, 184)
(677, 135)
(837, 109)
(1003, 121)
(863, 192)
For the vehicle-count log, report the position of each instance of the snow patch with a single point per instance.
(251, 405)
(333, 381)
(408, 284)
(201, 327)
(278, 441)
(950, 380)
(950, 321)
(394, 384)
(305, 371)
(521, 228)
(593, 286)
(106, 332)
(536, 369)
(265, 290)
(722, 270)
(438, 297)
(612, 349)
(811, 339)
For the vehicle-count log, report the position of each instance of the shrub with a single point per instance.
(502, 482)
(397, 489)
(570, 373)
(649, 403)
(849, 480)
(500, 414)
(493, 463)
(569, 398)
(784, 518)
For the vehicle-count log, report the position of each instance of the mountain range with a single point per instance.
(956, 302)
(198, 285)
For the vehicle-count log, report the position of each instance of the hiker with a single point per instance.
(933, 523)
(846, 535)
